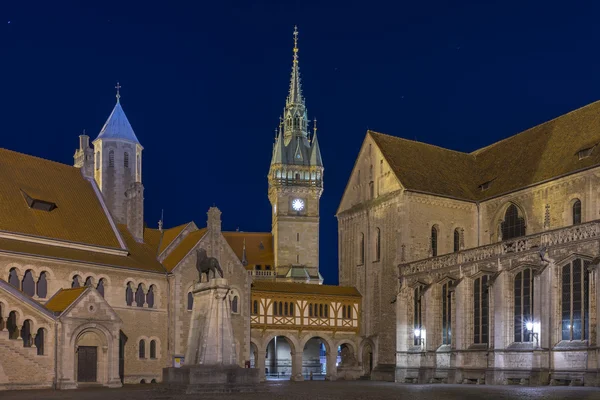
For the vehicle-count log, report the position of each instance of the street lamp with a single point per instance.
(529, 327)
(418, 332)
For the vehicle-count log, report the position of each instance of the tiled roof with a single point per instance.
(169, 235)
(63, 299)
(78, 216)
(141, 256)
(255, 253)
(304, 288)
(183, 248)
(543, 152)
(158, 240)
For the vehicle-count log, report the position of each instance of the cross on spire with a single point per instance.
(118, 87)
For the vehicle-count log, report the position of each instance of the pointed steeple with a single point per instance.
(315, 151)
(295, 94)
(295, 118)
(117, 125)
(244, 259)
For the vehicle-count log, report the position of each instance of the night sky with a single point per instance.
(203, 85)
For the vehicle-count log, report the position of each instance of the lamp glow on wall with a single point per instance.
(534, 330)
(420, 335)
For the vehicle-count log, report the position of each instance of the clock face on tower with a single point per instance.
(298, 204)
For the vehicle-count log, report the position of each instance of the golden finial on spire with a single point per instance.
(315, 126)
(118, 87)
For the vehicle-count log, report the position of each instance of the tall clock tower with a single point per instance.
(295, 188)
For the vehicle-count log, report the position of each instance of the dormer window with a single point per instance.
(485, 185)
(585, 153)
(38, 204)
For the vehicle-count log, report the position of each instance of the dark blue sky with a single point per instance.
(204, 84)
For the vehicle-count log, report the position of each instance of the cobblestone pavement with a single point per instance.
(323, 391)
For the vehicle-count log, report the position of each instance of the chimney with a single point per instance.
(84, 156)
(134, 198)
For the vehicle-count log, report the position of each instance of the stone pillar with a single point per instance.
(259, 363)
(501, 302)
(297, 366)
(460, 297)
(214, 232)
(331, 365)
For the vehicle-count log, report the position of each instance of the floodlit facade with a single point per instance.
(494, 256)
(90, 295)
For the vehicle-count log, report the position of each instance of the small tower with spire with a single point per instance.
(295, 187)
(118, 168)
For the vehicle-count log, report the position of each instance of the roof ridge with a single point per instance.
(67, 166)
(419, 142)
(482, 149)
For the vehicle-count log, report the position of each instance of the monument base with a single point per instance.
(195, 379)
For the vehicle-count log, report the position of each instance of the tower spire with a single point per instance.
(295, 94)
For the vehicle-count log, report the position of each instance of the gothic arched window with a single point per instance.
(126, 160)
(88, 282)
(577, 212)
(291, 309)
(139, 296)
(76, 282)
(190, 301)
(456, 240)
(523, 300)
(234, 305)
(13, 278)
(575, 302)
(39, 342)
(129, 294)
(142, 349)
(28, 285)
(514, 224)
(480, 310)
(446, 313)
(150, 297)
(417, 316)
(42, 286)
(111, 159)
(153, 349)
(434, 241)
(255, 307)
(100, 287)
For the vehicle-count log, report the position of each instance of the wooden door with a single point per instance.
(87, 364)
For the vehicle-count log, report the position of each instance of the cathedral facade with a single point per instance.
(90, 295)
(479, 267)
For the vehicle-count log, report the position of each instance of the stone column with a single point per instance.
(460, 340)
(297, 366)
(501, 301)
(331, 365)
(259, 363)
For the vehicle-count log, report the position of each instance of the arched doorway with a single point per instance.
(314, 359)
(278, 359)
(253, 355)
(367, 359)
(91, 357)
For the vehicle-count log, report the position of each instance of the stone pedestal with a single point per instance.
(211, 357)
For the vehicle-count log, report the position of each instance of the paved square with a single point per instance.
(324, 391)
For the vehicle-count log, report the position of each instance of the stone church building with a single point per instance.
(89, 294)
(479, 267)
